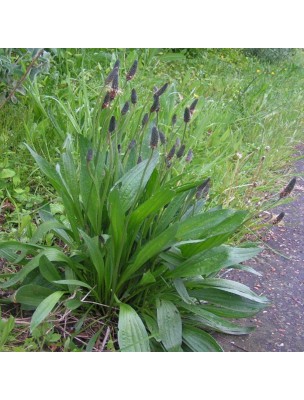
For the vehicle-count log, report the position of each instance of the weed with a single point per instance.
(136, 244)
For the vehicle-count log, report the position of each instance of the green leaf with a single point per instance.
(231, 287)
(204, 318)
(199, 340)
(73, 304)
(6, 326)
(73, 282)
(7, 173)
(134, 181)
(169, 214)
(170, 325)
(44, 309)
(150, 206)
(210, 223)
(149, 250)
(47, 169)
(32, 295)
(48, 270)
(132, 334)
(213, 260)
(95, 254)
(146, 279)
(117, 221)
(51, 253)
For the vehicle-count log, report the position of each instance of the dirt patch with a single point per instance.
(280, 326)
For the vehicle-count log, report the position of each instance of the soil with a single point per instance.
(280, 327)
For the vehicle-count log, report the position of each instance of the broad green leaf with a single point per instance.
(6, 326)
(149, 250)
(204, 318)
(7, 173)
(181, 290)
(132, 334)
(15, 252)
(146, 279)
(32, 295)
(44, 228)
(47, 217)
(51, 253)
(152, 326)
(210, 224)
(246, 268)
(198, 340)
(231, 287)
(73, 304)
(213, 260)
(48, 270)
(47, 169)
(95, 254)
(69, 171)
(169, 214)
(73, 282)
(117, 222)
(150, 206)
(134, 181)
(44, 309)
(170, 325)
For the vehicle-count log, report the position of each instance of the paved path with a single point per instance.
(280, 327)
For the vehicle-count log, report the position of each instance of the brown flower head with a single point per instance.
(171, 153)
(130, 75)
(162, 137)
(187, 115)
(155, 105)
(162, 90)
(174, 119)
(202, 189)
(288, 189)
(181, 151)
(106, 101)
(112, 124)
(189, 156)
(154, 138)
(125, 108)
(133, 97)
(278, 218)
(145, 119)
(114, 72)
(193, 105)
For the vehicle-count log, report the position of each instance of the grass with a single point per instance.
(247, 122)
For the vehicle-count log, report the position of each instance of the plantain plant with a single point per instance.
(136, 242)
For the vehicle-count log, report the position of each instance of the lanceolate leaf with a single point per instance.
(73, 282)
(96, 255)
(170, 325)
(199, 340)
(213, 260)
(132, 334)
(133, 182)
(231, 287)
(44, 309)
(51, 253)
(47, 169)
(203, 318)
(210, 224)
(48, 270)
(32, 295)
(151, 249)
(153, 204)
